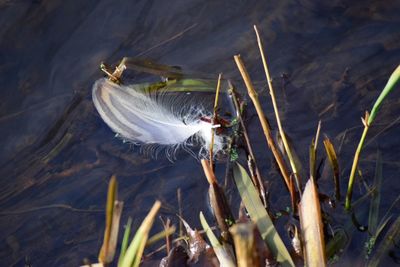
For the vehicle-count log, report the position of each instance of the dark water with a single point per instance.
(56, 150)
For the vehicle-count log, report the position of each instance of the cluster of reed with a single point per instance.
(252, 239)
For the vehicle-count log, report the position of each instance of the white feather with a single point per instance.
(146, 118)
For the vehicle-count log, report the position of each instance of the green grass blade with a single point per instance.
(376, 196)
(390, 85)
(135, 250)
(392, 236)
(337, 244)
(260, 217)
(125, 240)
(161, 235)
(224, 257)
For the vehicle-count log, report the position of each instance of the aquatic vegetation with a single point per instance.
(254, 238)
(367, 121)
(130, 254)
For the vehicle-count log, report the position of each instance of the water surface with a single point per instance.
(56, 150)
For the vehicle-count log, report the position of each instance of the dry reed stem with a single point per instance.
(116, 75)
(275, 105)
(245, 244)
(214, 117)
(317, 135)
(208, 172)
(313, 150)
(264, 122)
(111, 198)
(179, 196)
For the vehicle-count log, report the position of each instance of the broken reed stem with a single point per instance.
(117, 73)
(264, 123)
(245, 244)
(208, 172)
(278, 119)
(214, 117)
(313, 151)
(349, 193)
(256, 180)
(111, 198)
(179, 196)
(317, 136)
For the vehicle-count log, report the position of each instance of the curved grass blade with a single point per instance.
(376, 196)
(113, 215)
(155, 68)
(392, 236)
(259, 216)
(176, 86)
(367, 121)
(337, 244)
(161, 235)
(333, 161)
(125, 240)
(151, 67)
(179, 86)
(390, 85)
(224, 257)
(135, 250)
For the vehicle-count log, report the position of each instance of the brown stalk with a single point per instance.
(293, 196)
(276, 110)
(214, 117)
(117, 73)
(331, 153)
(219, 204)
(179, 196)
(313, 152)
(317, 135)
(264, 122)
(246, 252)
(113, 215)
(208, 172)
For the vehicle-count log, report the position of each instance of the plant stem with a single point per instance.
(394, 79)
(213, 119)
(264, 122)
(278, 120)
(354, 167)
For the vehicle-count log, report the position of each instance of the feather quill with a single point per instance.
(147, 118)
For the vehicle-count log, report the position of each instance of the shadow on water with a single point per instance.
(56, 150)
